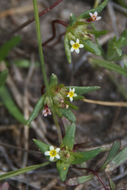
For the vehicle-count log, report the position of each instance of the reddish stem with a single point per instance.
(40, 14)
(54, 22)
(96, 174)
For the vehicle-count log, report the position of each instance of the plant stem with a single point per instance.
(36, 15)
(58, 127)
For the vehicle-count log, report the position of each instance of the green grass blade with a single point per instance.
(109, 65)
(8, 46)
(36, 110)
(22, 171)
(3, 77)
(10, 105)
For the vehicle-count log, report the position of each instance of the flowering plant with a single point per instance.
(58, 100)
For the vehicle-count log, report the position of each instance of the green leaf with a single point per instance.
(80, 90)
(79, 180)
(109, 65)
(42, 146)
(80, 157)
(67, 48)
(53, 80)
(4, 50)
(68, 114)
(36, 110)
(69, 138)
(98, 9)
(22, 171)
(3, 77)
(62, 169)
(120, 158)
(10, 105)
(112, 153)
(91, 47)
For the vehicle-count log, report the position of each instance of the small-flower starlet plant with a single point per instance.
(75, 46)
(71, 94)
(56, 98)
(46, 111)
(94, 16)
(53, 153)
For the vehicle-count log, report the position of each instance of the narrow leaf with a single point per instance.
(23, 63)
(118, 160)
(112, 153)
(68, 114)
(62, 169)
(22, 171)
(92, 47)
(114, 51)
(10, 105)
(80, 90)
(69, 138)
(80, 157)
(53, 80)
(36, 110)
(67, 48)
(4, 50)
(109, 65)
(3, 77)
(42, 146)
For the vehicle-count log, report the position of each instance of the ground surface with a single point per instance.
(96, 125)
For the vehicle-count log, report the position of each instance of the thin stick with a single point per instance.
(39, 43)
(40, 14)
(105, 103)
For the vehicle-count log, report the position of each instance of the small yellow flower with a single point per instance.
(94, 16)
(53, 153)
(75, 46)
(71, 94)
